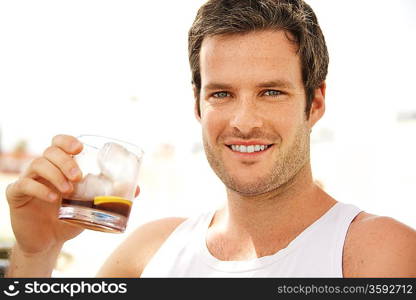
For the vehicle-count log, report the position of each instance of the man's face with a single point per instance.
(252, 100)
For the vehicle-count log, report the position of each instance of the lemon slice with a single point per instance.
(110, 199)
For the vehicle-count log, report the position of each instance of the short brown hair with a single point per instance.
(240, 16)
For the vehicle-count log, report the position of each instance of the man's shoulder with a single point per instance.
(154, 232)
(379, 246)
(130, 258)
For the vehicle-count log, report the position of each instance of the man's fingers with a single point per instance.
(137, 192)
(64, 162)
(67, 143)
(25, 187)
(43, 168)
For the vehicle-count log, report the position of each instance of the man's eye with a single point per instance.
(272, 93)
(220, 95)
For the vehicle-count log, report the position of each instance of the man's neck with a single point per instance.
(274, 218)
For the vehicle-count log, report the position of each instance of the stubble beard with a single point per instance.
(286, 166)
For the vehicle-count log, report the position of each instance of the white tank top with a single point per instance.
(315, 252)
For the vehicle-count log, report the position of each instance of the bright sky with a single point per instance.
(120, 68)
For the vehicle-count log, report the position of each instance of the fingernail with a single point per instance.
(65, 187)
(74, 146)
(74, 172)
(52, 196)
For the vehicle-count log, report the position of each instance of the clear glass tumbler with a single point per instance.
(102, 200)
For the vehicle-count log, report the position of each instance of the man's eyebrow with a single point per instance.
(276, 83)
(216, 86)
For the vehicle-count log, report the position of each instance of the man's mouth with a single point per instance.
(249, 148)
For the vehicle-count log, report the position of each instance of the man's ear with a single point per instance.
(197, 110)
(318, 105)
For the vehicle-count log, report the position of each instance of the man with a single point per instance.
(258, 70)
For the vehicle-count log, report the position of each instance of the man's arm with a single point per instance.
(379, 247)
(32, 265)
(131, 257)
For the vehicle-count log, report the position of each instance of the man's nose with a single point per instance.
(246, 116)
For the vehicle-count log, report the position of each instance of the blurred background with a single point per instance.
(120, 69)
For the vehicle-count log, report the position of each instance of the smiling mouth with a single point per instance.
(249, 149)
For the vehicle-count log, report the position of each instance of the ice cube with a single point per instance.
(91, 186)
(118, 164)
(125, 190)
(87, 161)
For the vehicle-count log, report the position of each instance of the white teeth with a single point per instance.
(248, 149)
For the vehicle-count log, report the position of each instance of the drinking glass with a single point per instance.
(102, 200)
